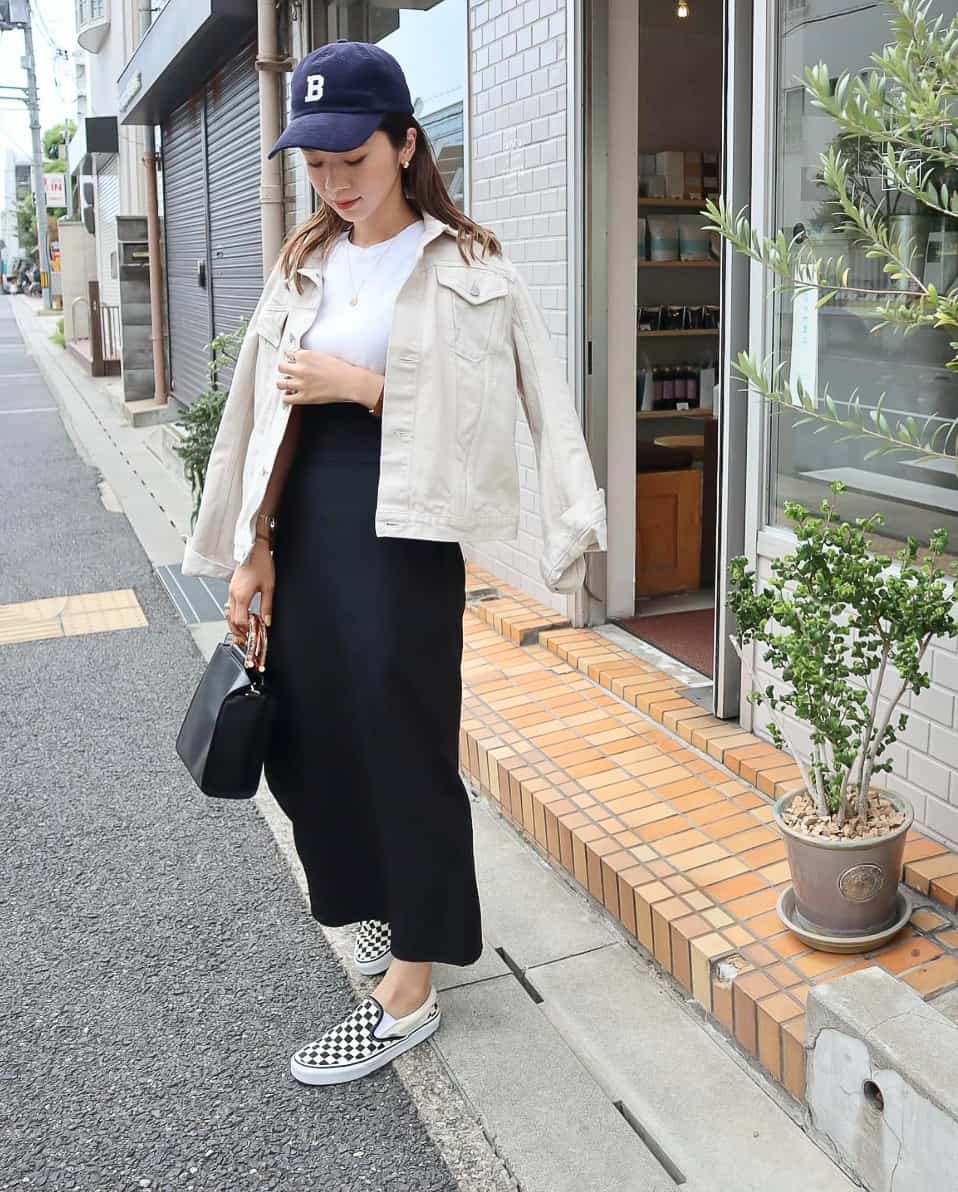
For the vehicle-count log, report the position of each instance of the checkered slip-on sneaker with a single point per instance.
(371, 949)
(353, 1048)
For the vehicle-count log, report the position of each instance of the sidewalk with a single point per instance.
(664, 814)
(159, 966)
(566, 1045)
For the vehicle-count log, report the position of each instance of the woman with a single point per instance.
(389, 301)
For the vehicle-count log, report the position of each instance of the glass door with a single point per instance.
(676, 326)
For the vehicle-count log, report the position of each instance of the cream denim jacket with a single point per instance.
(466, 340)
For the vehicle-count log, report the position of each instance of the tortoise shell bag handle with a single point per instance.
(256, 643)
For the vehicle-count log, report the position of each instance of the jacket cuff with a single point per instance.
(581, 528)
(196, 564)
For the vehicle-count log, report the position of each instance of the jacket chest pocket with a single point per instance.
(270, 323)
(471, 305)
(269, 326)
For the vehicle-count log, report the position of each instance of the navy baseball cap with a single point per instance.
(340, 94)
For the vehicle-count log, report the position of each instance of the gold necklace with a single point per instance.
(354, 301)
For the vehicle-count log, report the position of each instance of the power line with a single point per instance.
(45, 30)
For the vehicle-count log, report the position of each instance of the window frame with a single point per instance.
(327, 12)
(765, 536)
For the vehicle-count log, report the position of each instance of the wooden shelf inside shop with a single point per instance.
(678, 264)
(676, 334)
(698, 412)
(695, 204)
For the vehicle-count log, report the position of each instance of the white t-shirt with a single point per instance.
(360, 334)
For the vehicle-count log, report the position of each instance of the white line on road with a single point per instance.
(30, 410)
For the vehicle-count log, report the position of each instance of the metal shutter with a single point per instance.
(233, 151)
(184, 202)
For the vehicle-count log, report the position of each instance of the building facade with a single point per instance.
(570, 102)
(107, 158)
(584, 133)
(580, 102)
(193, 76)
(14, 184)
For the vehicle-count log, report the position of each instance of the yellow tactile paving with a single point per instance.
(70, 616)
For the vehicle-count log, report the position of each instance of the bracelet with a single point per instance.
(270, 521)
(377, 409)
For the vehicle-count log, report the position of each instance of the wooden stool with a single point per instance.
(693, 445)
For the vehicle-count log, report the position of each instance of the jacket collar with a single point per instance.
(432, 230)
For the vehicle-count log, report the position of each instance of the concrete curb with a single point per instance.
(881, 1067)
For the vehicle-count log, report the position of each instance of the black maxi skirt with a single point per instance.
(365, 654)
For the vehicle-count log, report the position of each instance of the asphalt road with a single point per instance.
(157, 963)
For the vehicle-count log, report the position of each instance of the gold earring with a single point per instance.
(405, 165)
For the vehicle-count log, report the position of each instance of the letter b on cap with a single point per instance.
(314, 88)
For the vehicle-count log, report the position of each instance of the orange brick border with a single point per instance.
(670, 836)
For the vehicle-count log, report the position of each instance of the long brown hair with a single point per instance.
(425, 191)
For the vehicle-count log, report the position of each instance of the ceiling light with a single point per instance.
(682, 9)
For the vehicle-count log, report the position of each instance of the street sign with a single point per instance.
(56, 191)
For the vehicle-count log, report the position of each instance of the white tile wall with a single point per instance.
(926, 754)
(518, 69)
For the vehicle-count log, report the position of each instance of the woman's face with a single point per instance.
(356, 184)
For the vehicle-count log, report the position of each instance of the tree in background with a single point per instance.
(55, 150)
(55, 141)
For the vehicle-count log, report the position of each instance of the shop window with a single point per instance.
(89, 10)
(428, 39)
(794, 118)
(834, 347)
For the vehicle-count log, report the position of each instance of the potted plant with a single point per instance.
(848, 633)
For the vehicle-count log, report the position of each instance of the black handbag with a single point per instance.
(224, 734)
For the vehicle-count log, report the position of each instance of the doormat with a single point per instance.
(689, 637)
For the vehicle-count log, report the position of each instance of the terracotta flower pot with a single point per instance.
(845, 888)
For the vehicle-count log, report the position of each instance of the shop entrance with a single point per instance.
(665, 115)
(678, 320)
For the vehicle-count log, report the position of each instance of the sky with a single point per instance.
(435, 77)
(53, 24)
(432, 49)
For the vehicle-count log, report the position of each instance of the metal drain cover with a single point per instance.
(195, 598)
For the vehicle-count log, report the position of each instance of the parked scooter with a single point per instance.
(28, 282)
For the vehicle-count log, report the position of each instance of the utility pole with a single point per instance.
(15, 14)
(39, 190)
(67, 179)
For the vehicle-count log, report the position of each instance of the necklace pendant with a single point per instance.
(354, 301)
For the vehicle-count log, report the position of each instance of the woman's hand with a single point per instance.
(257, 574)
(313, 378)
